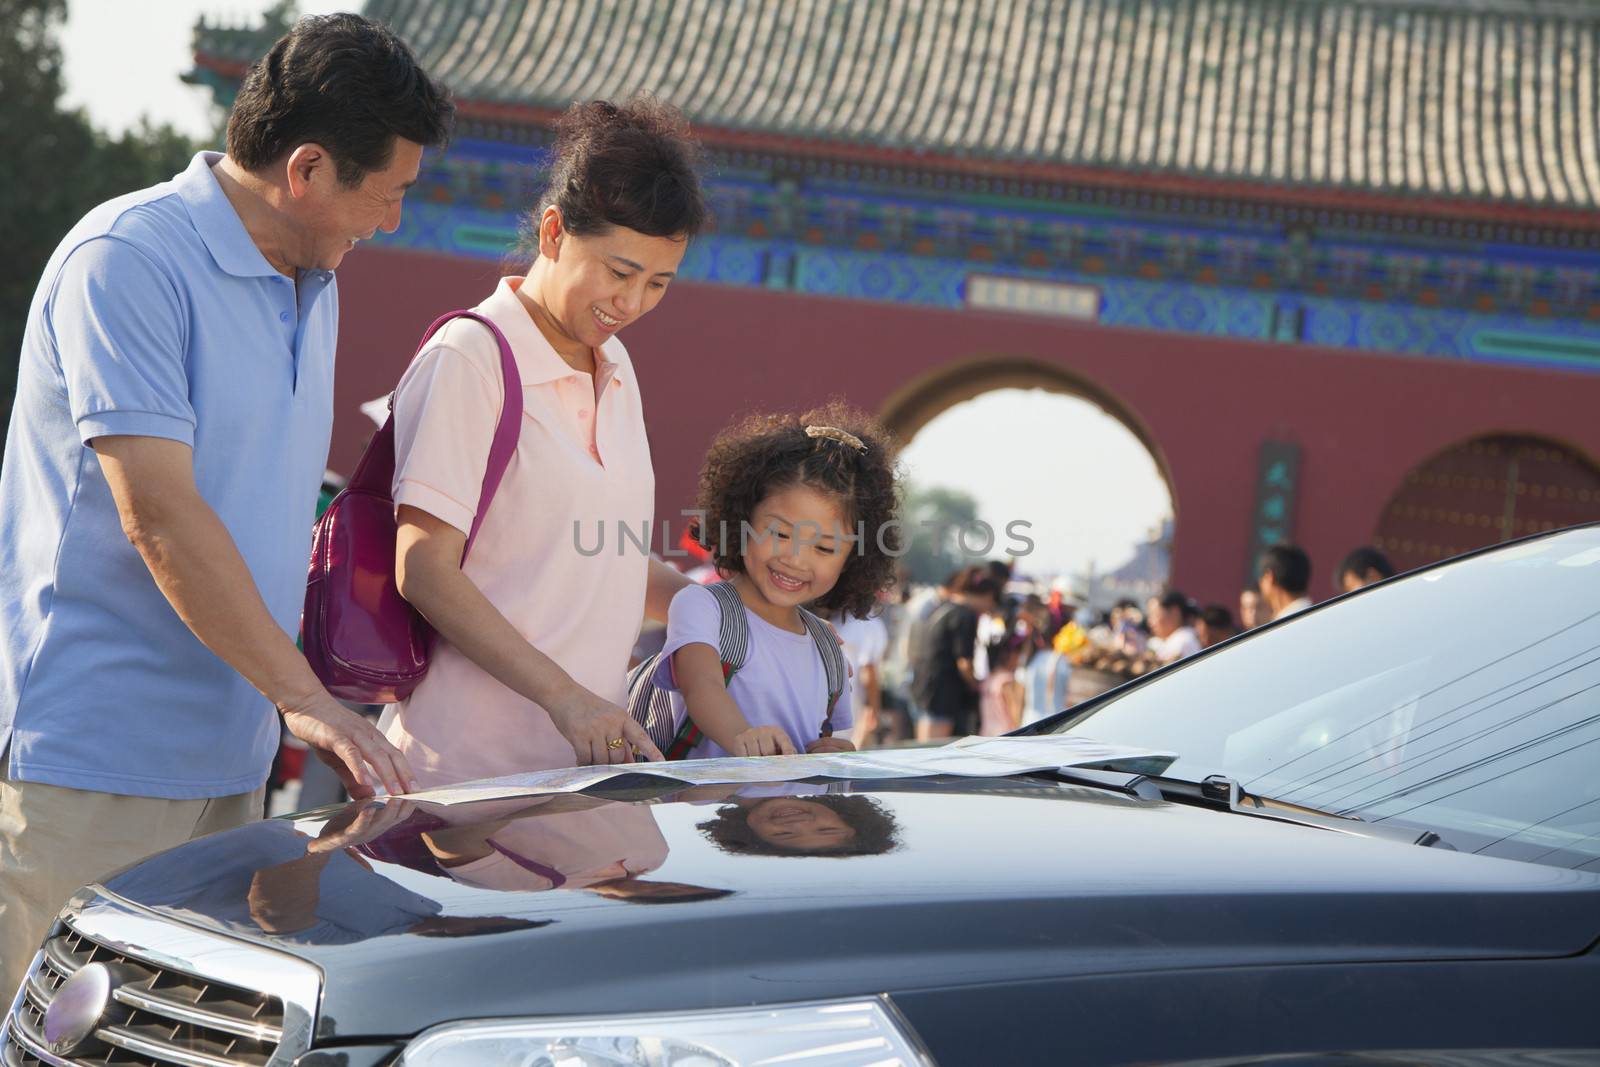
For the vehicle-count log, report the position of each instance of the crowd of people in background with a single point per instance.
(984, 653)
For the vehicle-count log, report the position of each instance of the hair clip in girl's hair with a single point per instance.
(833, 433)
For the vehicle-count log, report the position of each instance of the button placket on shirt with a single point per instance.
(579, 411)
(607, 390)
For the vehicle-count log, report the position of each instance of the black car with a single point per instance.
(1378, 844)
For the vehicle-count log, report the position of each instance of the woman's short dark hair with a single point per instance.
(877, 832)
(633, 165)
(344, 82)
(765, 454)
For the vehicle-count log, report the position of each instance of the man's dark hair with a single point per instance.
(344, 82)
(1218, 618)
(633, 165)
(1173, 599)
(1289, 566)
(1364, 559)
(980, 583)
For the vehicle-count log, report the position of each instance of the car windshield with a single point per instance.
(1464, 699)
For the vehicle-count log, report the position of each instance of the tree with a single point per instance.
(934, 518)
(54, 166)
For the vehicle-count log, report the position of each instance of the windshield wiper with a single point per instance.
(1220, 791)
(1127, 782)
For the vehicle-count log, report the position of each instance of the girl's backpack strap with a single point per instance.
(833, 665)
(733, 649)
(733, 634)
(651, 706)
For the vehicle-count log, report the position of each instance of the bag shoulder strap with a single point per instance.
(375, 471)
(833, 665)
(504, 443)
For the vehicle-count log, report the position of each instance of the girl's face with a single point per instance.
(595, 286)
(799, 548)
(800, 825)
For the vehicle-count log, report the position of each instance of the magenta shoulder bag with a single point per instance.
(362, 639)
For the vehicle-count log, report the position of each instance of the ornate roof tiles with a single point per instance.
(1466, 101)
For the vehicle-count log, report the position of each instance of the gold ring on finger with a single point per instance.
(615, 743)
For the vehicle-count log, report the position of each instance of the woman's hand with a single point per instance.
(762, 741)
(428, 571)
(831, 744)
(599, 731)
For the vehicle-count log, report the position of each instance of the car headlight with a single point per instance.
(860, 1032)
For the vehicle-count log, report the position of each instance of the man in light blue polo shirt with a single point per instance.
(161, 471)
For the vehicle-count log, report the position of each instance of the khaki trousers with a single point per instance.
(54, 840)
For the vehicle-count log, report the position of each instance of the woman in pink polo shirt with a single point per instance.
(529, 671)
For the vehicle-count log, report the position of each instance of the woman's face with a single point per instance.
(597, 285)
(800, 825)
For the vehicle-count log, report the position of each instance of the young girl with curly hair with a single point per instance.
(798, 510)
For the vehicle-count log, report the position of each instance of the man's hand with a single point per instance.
(600, 732)
(763, 741)
(359, 823)
(831, 744)
(361, 756)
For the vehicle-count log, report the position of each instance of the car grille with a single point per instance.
(162, 1014)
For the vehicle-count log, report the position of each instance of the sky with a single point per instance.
(1078, 475)
(121, 58)
(1083, 480)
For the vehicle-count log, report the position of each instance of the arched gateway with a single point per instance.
(1485, 491)
(1251, 224)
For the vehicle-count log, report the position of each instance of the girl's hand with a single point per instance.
(600, 732)
(762, 741)
(831, 744)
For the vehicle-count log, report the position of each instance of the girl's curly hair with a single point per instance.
(877, 831)
(765, 454)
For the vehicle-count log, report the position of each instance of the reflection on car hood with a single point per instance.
(710, 898)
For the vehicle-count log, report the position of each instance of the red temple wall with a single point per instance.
(710, 353)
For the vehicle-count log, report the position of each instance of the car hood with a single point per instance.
(419, 914)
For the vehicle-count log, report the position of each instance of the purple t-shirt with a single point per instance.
(782, 682)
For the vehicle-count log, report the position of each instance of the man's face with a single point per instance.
(334, 217)
(1163, 621)
(1250, 609)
